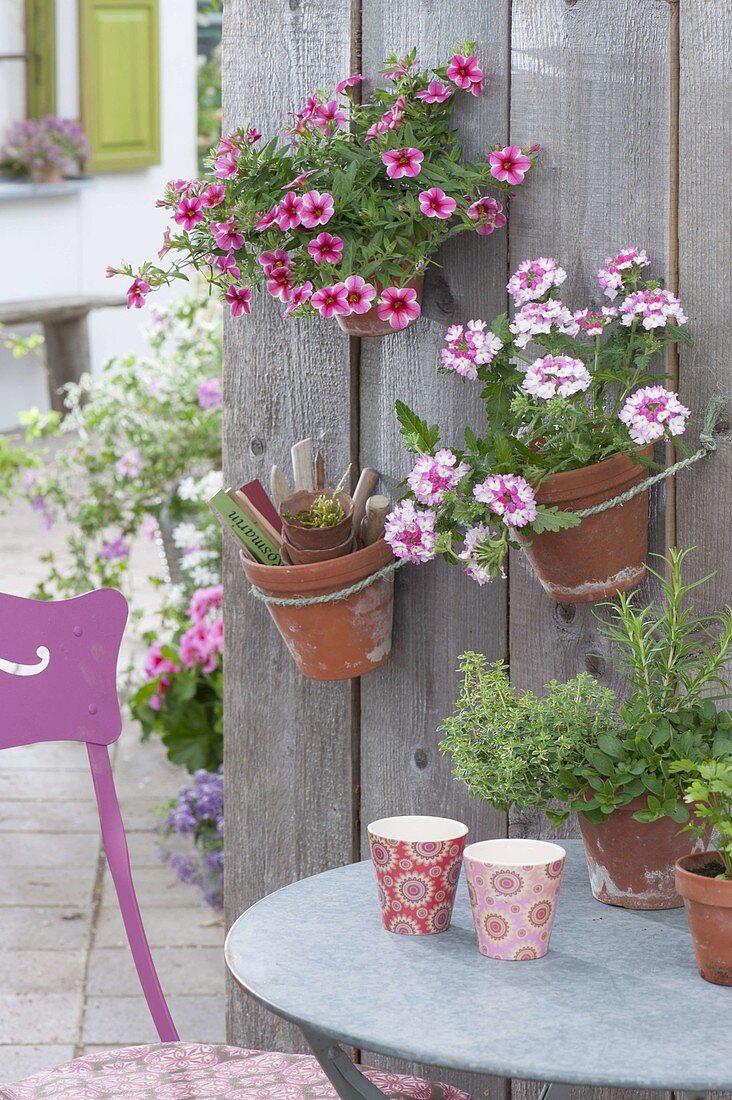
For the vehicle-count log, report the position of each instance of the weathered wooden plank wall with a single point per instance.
(597, 83)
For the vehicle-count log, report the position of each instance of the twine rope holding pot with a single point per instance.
(329, 597)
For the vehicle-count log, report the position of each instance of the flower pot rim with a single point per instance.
(321, 577)
(615, 472)
(701, 888)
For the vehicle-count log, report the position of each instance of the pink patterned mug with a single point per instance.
(417, 865)
(513, 886)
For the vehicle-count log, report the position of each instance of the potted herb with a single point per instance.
(46, 148)
(317, 525)
(615, 766)
(704, 879)
(342, 216)
(570, 426)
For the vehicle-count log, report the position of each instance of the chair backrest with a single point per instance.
(58, 668)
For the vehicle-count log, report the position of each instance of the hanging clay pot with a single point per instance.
(340, 639)
(606, 553)
(315, 538)
(370, 324)
(631, 863)
(307, 557)
(708, 902)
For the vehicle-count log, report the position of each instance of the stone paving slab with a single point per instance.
(123, 1021)
(58, 817)
(31, 886)
(40, 1018)
(58, 928)
(42, 970)
(50, 850)
(23, 1061)
(182, 970)
(187, 927)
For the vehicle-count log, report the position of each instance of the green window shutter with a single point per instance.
(120, 83)
(41, 69)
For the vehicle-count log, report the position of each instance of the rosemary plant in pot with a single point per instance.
(577, 749)
(570, 426)
(342, 215)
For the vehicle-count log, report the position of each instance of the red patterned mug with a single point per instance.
(417, 863)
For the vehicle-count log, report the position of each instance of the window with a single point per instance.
(27, 60)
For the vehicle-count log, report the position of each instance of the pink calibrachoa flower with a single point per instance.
(329, 116)
(209, 394)
(508, 496)
(466, 73)
(166, 246)
(469, 348)
(402, 162)
(436, 204)
(189, 212)
(410, 532)
(239, 298)
(509, 165)
(610, 277)
(488, 213)
(349, 82)
(266, 220)
(326, 249)
(280, 284)
(288, 212)
(535, 278)
(656, 307)
(227, 235)
(279, 260)
(298, 297)
(227, 265)
(130, 464)
(435, 475)
(398, 305)
(331, 300)
(299, 179)
(253, 135)
(536, 318)
(556, 374)
(402, 68)
(474, 537)
(435, 92)
(136, 294)
(226, 166)
(360, 293)
(115, 549)
(316, 209)
(651, 412)
(214, 195)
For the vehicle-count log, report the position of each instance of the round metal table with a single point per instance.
(617, 1001)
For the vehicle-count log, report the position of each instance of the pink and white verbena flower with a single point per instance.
(540, 318)
(435, 475)
(535, 278)
(474, 537)
(398, 305)
(508, 496)
(652, 412)
(402, 162)
(616, 269)
(595, 321)
(509, 165)
(488, 213)
(469, 348)
(410, 532)
(555, 375)
(655, 307)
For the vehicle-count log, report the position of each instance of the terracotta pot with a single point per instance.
(606, 553)
(708, 903)
(49, 174)
(315, 538)
(370, 324)
(631, 863)
(308, 557)
(340, 639)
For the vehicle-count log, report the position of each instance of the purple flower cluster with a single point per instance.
(198, 815)
(40, 144)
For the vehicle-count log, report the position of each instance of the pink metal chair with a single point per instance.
(58, 664)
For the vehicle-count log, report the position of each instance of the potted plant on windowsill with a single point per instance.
(46, 148)
(570, 427)
(576, 750)
(704, 880)
(343, 217)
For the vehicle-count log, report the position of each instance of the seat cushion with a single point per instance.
(192, 1071)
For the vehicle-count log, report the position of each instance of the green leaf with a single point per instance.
(418, 436)
(551, 519)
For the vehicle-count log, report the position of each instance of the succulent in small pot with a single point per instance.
(318, 519)
(705, 880)
(571, 427)
(576, 749)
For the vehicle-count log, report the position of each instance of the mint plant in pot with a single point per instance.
(614, 764)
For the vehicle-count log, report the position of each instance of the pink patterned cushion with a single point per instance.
(192, 1071)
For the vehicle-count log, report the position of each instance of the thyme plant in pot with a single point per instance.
(570, 426)
(614, 764)
(342, 215)
(704, 879)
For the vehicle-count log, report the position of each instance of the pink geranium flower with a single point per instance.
(349, 82)
(360, 293)
(316, 209)
(329, 116)
(279, 260)
(326, 249)
(402, 162)
(436, 204)
(488, 213)
(239, 298)
(331, 300)
(508, 496)
(509, 165)
(466, 73)
(227, 235)
(299, 296)
(435, 475)
(398, 305)
(136, 294)
(288, 211)
(214, 194)
(209, 394)
(435, 92)
(410, 532)
(651, 412)
(189, 212)
(204, 601)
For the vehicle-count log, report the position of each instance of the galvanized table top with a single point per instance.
(617, 1001)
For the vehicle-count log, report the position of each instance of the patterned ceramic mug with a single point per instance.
(417, 864)
(513, 886)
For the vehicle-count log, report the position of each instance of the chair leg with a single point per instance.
(115, 847)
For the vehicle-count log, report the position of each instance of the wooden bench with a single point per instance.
(65, 333)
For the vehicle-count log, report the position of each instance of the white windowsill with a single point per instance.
(22, 189)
